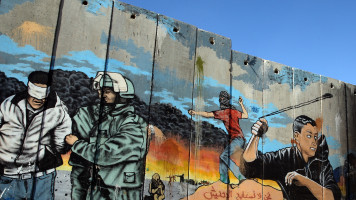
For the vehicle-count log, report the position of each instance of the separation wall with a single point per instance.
(171, 136)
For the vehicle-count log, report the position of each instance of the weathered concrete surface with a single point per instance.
(334, 118)
(173, 81)
(247, 82)
(84, 35)
(83, 48)
(27, 34)
(212, 75)
(351, 143)
(30, 22)
(277, 94)
(132, 46)
(62, 187)
(307, 86)
(172, 72)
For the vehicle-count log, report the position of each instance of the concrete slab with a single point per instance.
(171, 99)
(212, 75)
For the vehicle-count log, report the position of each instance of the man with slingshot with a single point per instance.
(230, 117)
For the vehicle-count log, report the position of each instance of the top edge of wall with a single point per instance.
(234, 51)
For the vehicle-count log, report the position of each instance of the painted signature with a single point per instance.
(243, 195)
(213, 194)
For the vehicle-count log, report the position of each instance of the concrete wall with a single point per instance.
(174, 67)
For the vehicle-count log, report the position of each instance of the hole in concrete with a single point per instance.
(276, 71)
(305, 79)
(175, 29)
(212, 40)
(133, 16)
(355, 92)
(331, 85)
(245, 62)
(85, 3)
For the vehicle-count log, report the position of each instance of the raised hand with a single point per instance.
(260, 127)
(191, 112)
(241, 101)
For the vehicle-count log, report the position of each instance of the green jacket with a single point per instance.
(119, 149)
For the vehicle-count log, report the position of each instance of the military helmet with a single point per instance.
(117, 81)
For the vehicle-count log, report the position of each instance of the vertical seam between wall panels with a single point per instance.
(347, 147)
(101, 102)
(322, 116)
(230, 118)
(51, 66)
(149, 103)
(153, 68)
(263, 88)
(109, 38)
(191, 116)
(55, 42)
(293, 95)
(294, 103)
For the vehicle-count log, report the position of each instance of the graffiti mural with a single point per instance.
(104, 100)
(300, 170)
(108, 143)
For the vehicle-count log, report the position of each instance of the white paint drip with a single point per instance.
(338, 121)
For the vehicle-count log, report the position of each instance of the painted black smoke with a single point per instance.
(74, 89)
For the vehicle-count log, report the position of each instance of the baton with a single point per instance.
(325, 96)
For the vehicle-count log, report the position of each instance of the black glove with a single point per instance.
(263, 129)
(260, 128)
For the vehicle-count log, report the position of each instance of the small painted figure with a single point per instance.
(230, 117)
(33, 125)
(157, 188)
(302, 171)
(108, 144)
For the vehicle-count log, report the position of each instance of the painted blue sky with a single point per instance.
(317, 36)
(28, 59)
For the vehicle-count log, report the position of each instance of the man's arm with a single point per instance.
(317, 190)
(127, 145)
(258, 129)
(250, 153)
(244, 114)
(60, 132)
(201, 113)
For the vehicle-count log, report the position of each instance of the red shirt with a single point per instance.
(232, 125)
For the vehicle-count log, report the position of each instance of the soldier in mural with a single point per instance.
(230, 117)
(302, 171)
(112, 139)
(33, 125)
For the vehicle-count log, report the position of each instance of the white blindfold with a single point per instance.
(36, 91)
